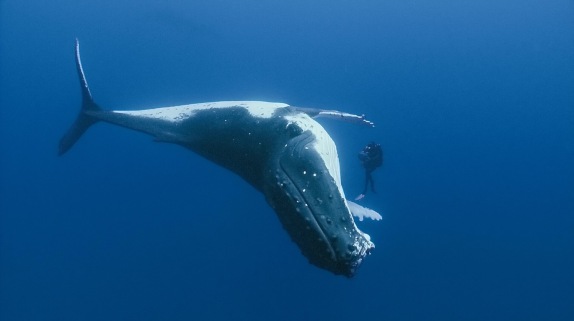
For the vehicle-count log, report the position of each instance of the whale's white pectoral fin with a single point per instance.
(352, 118)
(362, 212)
(334, 114)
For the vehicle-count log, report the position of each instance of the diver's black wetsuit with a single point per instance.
(371, 157)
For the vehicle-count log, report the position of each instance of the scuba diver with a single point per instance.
(371, 157)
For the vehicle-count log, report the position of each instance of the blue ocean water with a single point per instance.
(473, 103)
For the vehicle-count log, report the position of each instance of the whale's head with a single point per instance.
(304, 188)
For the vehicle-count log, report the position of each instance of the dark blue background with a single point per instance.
(474, 106)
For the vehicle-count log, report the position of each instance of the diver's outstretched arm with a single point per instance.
(315, 112)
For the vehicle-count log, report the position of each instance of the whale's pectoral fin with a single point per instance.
(362, 212)
(352, 118)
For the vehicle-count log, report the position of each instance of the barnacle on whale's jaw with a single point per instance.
(312, 208)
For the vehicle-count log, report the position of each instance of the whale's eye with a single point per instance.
(293, 130)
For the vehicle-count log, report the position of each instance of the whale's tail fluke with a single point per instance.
(84, 119)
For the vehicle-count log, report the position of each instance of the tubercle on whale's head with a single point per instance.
(311, 207)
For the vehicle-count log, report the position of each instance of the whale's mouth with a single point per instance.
(312, 209)
(309, 210)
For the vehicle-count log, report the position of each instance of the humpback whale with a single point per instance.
(277, 148)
